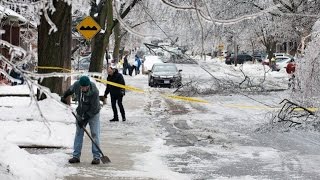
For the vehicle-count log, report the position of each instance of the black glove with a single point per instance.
(63, 100)
(86, 117)
(82, 123)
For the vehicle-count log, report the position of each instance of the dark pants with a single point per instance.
(131, 70)
(137, 70)
(114, 100)
(125, 68)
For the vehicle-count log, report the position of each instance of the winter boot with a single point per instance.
(114, 120)
(95, 161)
(74, 160)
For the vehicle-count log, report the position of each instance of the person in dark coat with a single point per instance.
(88, 111)
(116, 93)
(126, 65)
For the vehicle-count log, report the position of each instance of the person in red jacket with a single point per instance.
(291, 67)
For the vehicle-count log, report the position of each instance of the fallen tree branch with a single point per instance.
(293, 113)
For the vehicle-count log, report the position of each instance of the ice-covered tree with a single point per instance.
(103, 12)
(308, 71)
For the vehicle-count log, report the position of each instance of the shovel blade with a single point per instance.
(105, 159)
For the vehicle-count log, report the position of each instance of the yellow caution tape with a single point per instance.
(312, 109)
(131, 88)
(142, 91)
(247, 107)
(184, 98)
(53, 68)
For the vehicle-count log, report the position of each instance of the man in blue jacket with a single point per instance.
(88, 111)
(137, 64)
(116, 93)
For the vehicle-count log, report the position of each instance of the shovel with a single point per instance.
(103, 158)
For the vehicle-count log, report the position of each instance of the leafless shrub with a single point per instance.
(292, 116)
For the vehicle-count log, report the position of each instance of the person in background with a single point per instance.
(134, 67)
(107, 57)
(126, 65)
(88, 111)
(273, 63)
(137, 62)
(290, 69)
(116, 93)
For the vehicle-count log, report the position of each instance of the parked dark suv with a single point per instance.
(241, 58)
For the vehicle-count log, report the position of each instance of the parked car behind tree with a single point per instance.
(282, 62)
(265, 61)
(241, 58)
(84, 62)
(259, 57)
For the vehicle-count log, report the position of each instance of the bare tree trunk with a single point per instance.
(252, 45)
(117, 41)
(202, 37)
(235, 46)
(101, 40)
(54, 50)
(97, 55)
(271, 48)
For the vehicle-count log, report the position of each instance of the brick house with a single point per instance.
(10, 24)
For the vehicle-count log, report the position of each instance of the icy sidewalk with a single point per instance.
(120, 147)
(131, 146)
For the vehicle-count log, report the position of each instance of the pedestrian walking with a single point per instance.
(137, 64)
(126, 65)
(88, 111)
(116, 93)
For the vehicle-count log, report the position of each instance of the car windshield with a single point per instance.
(164, 69)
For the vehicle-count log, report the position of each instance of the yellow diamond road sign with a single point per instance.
(88, 27)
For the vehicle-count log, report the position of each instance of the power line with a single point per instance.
(144, 8)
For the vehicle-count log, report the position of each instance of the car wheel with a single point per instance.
(151, 83)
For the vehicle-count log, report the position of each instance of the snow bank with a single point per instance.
(13, 163)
